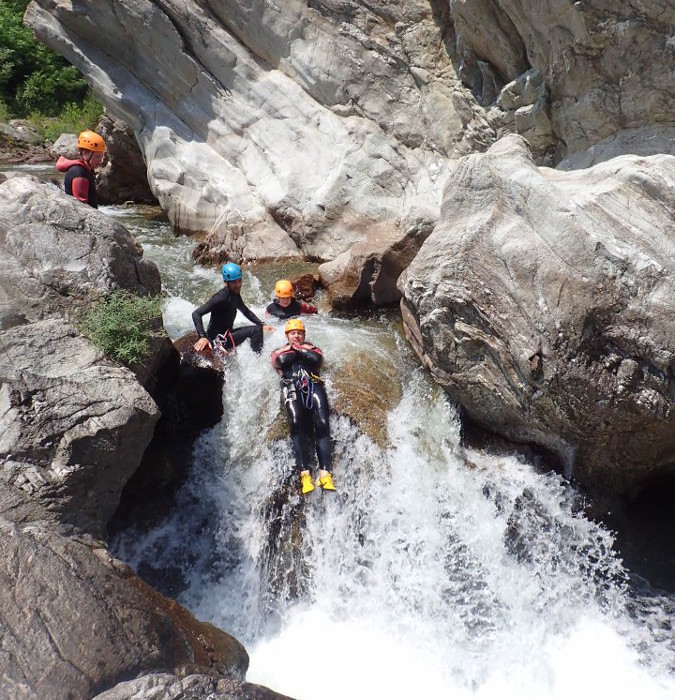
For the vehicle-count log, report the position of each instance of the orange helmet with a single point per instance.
(295, 324)
(91, 141)
(283, 289)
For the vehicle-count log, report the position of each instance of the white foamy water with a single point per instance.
(434, 572)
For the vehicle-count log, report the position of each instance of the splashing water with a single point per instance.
(433, 572)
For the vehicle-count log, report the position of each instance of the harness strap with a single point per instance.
(220, 343)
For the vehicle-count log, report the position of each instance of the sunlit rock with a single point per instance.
(58, 253)
(74, 424)
(258, 136)
(366, 274)
(167, 685)
(607, 66)
(543, 302)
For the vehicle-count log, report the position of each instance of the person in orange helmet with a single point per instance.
(284, 305)
(302, 389)
(79, 181)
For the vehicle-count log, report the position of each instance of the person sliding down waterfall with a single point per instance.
(223, 307)
(284, 305)
(304, 395)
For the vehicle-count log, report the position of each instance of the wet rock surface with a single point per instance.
(191, 687)
(543, 303)
(189, 393)
(73, 428)
(76, 620)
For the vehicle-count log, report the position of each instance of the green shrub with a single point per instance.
(72, 119)
(121, 324)
(33, 78)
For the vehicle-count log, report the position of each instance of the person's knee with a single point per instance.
(322, 427)
(257, 339)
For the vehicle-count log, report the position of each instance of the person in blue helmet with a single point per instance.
(223, 307)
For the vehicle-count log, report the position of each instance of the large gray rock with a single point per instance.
(73, 427)
(71, 420)
(608, 64)
(192, 687)
(366, 274)
(264, 142)
(543, 302)
(76, 621)
(66, 146)
(257, 134)
(57, 254)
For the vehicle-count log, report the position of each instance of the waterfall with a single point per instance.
(435, 571)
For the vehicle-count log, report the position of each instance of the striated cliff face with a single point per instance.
(303, 128)
(608, 65)
(281, 129)
(555, 328)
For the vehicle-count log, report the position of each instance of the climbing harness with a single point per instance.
(305, 387)
(221, 342)
(304, 381)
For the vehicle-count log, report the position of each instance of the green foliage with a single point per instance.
(32, 77)
(72, 119)
(121, 325)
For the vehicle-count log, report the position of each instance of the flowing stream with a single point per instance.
(433, 572)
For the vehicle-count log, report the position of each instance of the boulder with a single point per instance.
(76, 621)
(66, 146)
(123, 177)
(58, 254)
(258, 138)
(543, 303)
(608, 66)
(191, 687)
(366, 274)
(74, 426)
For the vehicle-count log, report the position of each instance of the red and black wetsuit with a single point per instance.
(305, 398)
(223, 307)
(79, 181)
(293, 309)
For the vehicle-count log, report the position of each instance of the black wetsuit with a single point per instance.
(293, 309)
(223, 307)
(306, 402)
(79, 181)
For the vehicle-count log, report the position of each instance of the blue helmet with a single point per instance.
(231, 272)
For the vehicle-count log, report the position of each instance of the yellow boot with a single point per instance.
(306, 481)
(325, 481)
